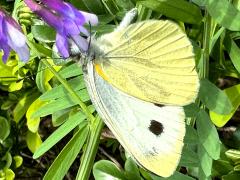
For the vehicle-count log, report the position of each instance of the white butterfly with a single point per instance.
(162, 71)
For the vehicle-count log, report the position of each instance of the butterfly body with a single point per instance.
(139, 79)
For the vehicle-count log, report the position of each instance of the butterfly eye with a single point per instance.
(156, 127)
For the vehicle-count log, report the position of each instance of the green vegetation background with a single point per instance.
(46, 99)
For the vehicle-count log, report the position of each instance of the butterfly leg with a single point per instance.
(128, 18)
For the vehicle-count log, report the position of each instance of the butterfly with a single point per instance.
(139, 77)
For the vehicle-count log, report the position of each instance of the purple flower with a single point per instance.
(12, 37)
(67, 20)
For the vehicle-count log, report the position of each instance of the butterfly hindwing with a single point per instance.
(152, 60)
(152, 134)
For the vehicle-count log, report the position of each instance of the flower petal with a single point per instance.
(6, 49)
(14, 36)
(70, 27)
(48, 16)
(90, 18)
(65, 10)
(62, 45)
(84, 30)
(80, 42)
(23, 53)
(1, 25)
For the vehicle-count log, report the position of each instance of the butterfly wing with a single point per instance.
(152, 135)
(152, 60)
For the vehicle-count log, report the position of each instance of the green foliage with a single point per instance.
(58, 91)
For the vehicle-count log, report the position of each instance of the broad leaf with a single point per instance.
(208, 135)
(215, 99)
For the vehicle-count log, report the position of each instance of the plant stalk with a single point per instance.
(90, 151)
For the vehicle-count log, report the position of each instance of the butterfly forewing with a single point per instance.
(151, 60)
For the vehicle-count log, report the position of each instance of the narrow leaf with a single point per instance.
(62, 131)
(76, 83)
(59, 104)
(233, 51)
(64, 160)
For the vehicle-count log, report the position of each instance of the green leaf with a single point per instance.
(191, 136)
(5, 128)
(233, 51)
(38, 50)
(222, 167)
(18, 161)
(8, 158)
(64, 160)
(76, 83)
(23, 104)
(233, 94)
(44, 33)
(44, 75)
(189, 158)
(186, 12)
(175, 176)
(15, 86)
(224, 13)
(191, 110)
(62, 131)
(205, 160)
(237, 167)
(202, 175)
(215, 99)
(233, 154)
(131, 169)
(231, 176)
(94, 6)
(33, 123)
(107, 170)
(208, 135)
(70, 71)
(33, 141)
(61, 103)
(9, 174)
(125, 4)
(5, 71)
(60, 117)
(215, 38)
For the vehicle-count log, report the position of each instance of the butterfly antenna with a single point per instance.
(89, 43)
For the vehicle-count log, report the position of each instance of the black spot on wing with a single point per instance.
(156, 127)
(159, 105)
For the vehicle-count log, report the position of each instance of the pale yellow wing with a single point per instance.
(152, 60)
